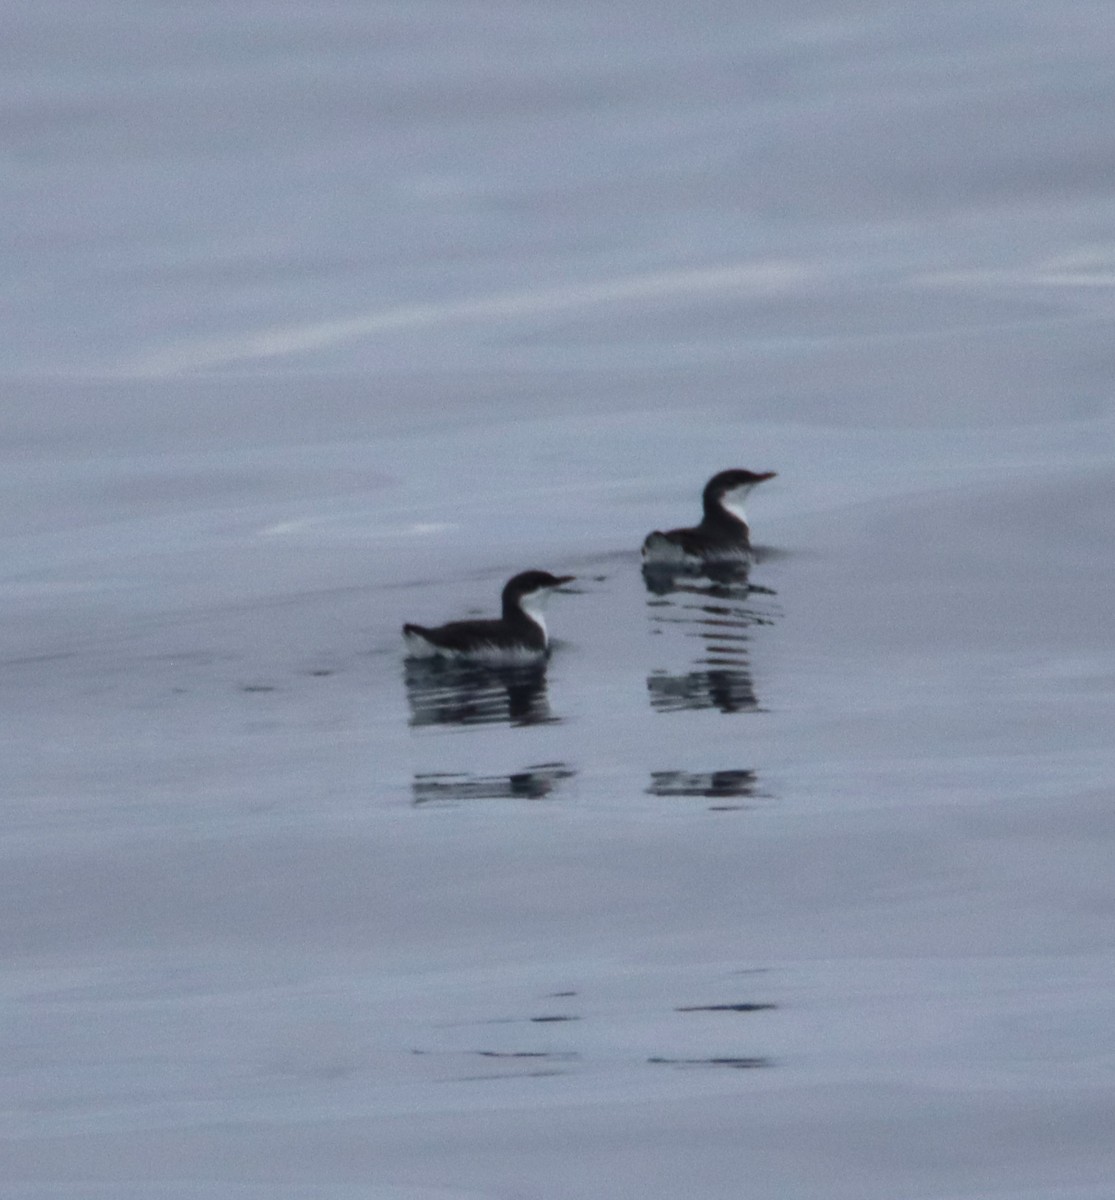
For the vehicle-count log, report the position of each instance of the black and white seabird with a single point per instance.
(723, 535)
(519, 637)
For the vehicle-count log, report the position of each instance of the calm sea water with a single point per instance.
(325, 318)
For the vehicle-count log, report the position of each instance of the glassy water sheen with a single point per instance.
(794, 883)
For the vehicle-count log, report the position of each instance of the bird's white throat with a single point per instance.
(734, 501)
(534, 604)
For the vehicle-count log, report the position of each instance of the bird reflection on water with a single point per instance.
(712, 785)
(718, 606)
(532, 783)
(447, 693)
(730, 790)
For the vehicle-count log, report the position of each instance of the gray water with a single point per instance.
(322, 318)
